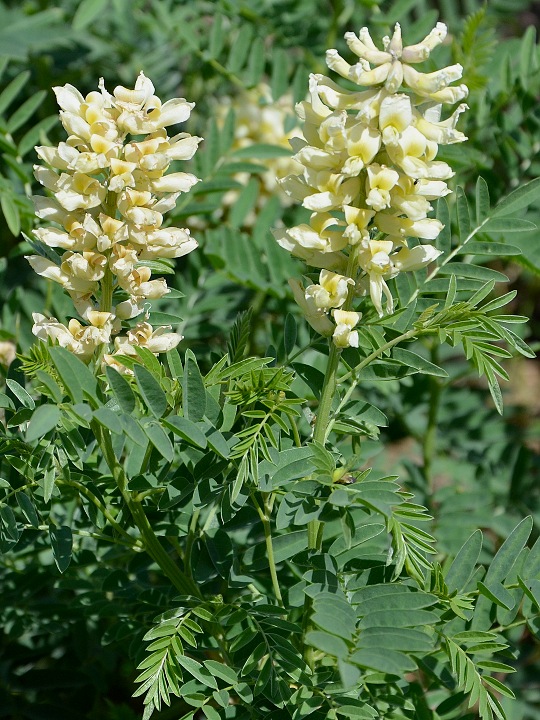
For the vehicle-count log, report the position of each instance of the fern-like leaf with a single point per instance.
(239, 339)
(480, 688)
(474, 49)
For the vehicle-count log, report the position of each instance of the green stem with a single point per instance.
(133, 545)
(321, 425)
(100, 506)
(375, 354)
(265, 519)
(430, 436)
(190, 541)
(327, 395)
(150, 541)
(322, 421)
(296, 434)
(354, 373)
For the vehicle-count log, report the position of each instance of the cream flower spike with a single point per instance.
(368, 172)
(109, 195)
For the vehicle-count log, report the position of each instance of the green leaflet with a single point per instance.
(44, 419)
(122, 389)
(194, 394)
(498, 570)
(62, 543)
(464, 564)
(150, 390)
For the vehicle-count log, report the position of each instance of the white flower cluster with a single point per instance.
(368, 175)
(109, 191)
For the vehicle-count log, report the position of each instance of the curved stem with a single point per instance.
(264, 515)
(150, 541)
(375, 354)
(327, 395)
(296, 434)
(100, 506)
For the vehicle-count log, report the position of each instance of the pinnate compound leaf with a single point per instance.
(75, 375)
(327, 643)
(108, 419)
(10, 211)
(239, 49)
(198, 671)
(160, 440)
(404, 639)
(387, 661)
(497, 249)
(280, 73)
(508, 224)
(9, 94)
(25, 111)
(187, 430)
(28, 509)
(224, 672)
(8, 524)
(498, 594)
(399, 618)
(217, 36)
(475, 272)
(482, 200)
(444, 239)
(463, 216)
(498, 570)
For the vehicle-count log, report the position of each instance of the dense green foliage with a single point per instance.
(142, 518)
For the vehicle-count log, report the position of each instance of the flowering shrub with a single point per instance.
(215, 529)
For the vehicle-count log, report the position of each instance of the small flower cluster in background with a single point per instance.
(109, 192)
(368, 175)
(260, 120)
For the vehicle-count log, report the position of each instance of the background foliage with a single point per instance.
(73, 640)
